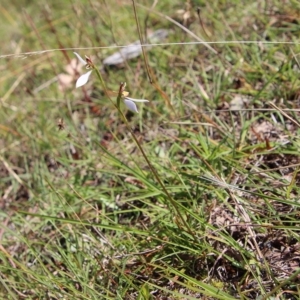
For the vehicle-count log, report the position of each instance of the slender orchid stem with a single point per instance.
(153, 170)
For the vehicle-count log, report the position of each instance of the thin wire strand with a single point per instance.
(24, 54)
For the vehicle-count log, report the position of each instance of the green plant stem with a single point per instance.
(153, 170)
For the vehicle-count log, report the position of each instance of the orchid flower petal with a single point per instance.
(83, 79)
(80, 58)
(130, 105)
(136, 100)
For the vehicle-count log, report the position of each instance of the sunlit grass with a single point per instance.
(83, 215)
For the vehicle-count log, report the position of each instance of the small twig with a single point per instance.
(283, 113)
(201, 22)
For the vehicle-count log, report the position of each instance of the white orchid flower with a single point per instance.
(130, 103)
(83, 79)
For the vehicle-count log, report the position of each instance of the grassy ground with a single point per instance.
(194, 197)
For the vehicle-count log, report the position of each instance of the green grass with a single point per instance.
(213, 213)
